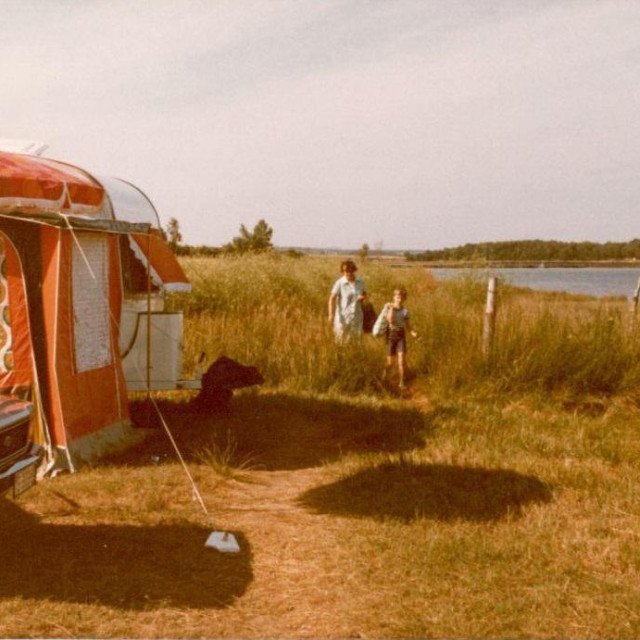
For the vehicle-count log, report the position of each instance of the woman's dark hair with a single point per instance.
(348, 265)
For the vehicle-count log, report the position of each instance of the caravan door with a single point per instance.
(19, 456)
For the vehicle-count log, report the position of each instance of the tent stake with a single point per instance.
(223, 541)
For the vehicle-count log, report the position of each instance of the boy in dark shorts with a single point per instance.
(399, 326)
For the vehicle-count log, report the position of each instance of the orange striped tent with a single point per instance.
(77, 254)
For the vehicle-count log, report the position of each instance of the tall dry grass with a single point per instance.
(270, 311)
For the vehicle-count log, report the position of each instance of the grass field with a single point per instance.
(501, 499)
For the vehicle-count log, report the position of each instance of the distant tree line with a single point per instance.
(533, 250)
(197, 250)
(256, 241)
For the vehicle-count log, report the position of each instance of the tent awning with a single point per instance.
(156, 255)
(55, 193)
(32, 184)
(59, 194)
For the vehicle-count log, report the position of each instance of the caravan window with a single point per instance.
(134, 271)
(91, 302)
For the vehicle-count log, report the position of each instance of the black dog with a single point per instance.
(219, 381)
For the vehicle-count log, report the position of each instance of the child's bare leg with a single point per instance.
(387, 367)
(401, 368)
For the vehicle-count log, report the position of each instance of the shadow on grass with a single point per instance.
(406, 492)
(121, 566)
(280, 432)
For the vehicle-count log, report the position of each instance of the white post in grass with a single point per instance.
(489, 318)
(633, 307)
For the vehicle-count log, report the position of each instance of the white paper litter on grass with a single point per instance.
(223, 541)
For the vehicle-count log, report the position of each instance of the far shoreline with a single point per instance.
(524, 264)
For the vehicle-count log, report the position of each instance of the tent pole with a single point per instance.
(148, 321)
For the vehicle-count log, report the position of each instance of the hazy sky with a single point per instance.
(415, 124)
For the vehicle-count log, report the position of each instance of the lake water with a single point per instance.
(594, 281)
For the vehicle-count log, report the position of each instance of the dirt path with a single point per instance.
(306, 579)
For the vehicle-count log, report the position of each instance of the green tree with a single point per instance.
(256, 241)
(364, 252)
(173, 233)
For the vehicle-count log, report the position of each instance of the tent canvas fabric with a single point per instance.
(61, 296)
(32, 184)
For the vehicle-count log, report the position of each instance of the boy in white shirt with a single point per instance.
(398, 320)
